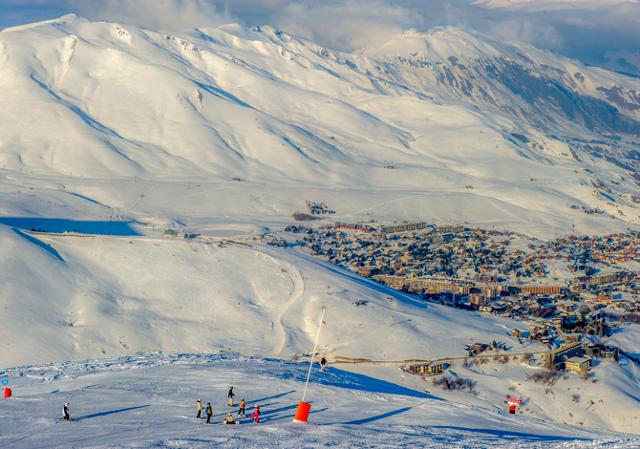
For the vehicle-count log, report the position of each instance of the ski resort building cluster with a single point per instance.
(574, 285)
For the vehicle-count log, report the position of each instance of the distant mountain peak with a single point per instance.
(67, 18)
(436, 44)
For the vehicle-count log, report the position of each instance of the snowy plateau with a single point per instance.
(110, 134)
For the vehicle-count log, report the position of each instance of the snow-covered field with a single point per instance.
(97, 295)
(109, 134)
(72, 297)
(148, 401)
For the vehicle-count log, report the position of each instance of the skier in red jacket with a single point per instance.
(255, 416)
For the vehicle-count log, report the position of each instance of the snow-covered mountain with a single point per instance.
(117, 132)
(537, 87)
(445, 113)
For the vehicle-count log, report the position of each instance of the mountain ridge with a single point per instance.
(261, 105)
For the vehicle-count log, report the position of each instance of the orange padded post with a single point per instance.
(302, 414)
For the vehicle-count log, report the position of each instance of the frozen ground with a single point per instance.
(148, 401)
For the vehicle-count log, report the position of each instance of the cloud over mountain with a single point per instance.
(596, 32)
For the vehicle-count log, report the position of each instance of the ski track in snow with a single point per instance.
(278, 321)
(296, 294)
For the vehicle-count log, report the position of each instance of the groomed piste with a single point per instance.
(148, 401)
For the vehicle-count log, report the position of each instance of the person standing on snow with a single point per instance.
(199, 408)
(243, 405)
(65, 412)
(209, 412)
(229, 419)
(255, 416)
(230, 396)
(323, 363)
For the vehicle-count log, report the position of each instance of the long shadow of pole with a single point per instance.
(110, 412)
(276, 396)
(378, 417)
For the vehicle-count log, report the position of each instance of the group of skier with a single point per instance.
(229, 419)
(255, 416)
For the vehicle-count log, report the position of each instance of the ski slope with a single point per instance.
(148, 401)
(110, 134)
(78, 296)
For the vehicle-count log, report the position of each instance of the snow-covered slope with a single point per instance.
(443, 113)
(80, 296)
(118, 295)
(148, 401)
(116, 132)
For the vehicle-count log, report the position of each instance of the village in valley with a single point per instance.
(568, 294)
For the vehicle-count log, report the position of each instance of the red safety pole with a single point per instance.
(304, 408)
(513, 404)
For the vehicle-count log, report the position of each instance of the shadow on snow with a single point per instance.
(335, 377)
(48, 248)
(502, 434)
(59, 225)
(366, 282)
(110, 412)
(378, 417)
(268, 398)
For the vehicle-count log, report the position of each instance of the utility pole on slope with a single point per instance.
(302, 414)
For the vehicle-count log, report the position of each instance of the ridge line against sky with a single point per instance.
(597, 32)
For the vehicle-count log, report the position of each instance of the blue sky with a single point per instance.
(600, 32)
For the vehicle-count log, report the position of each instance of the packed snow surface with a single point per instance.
(148, 401)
